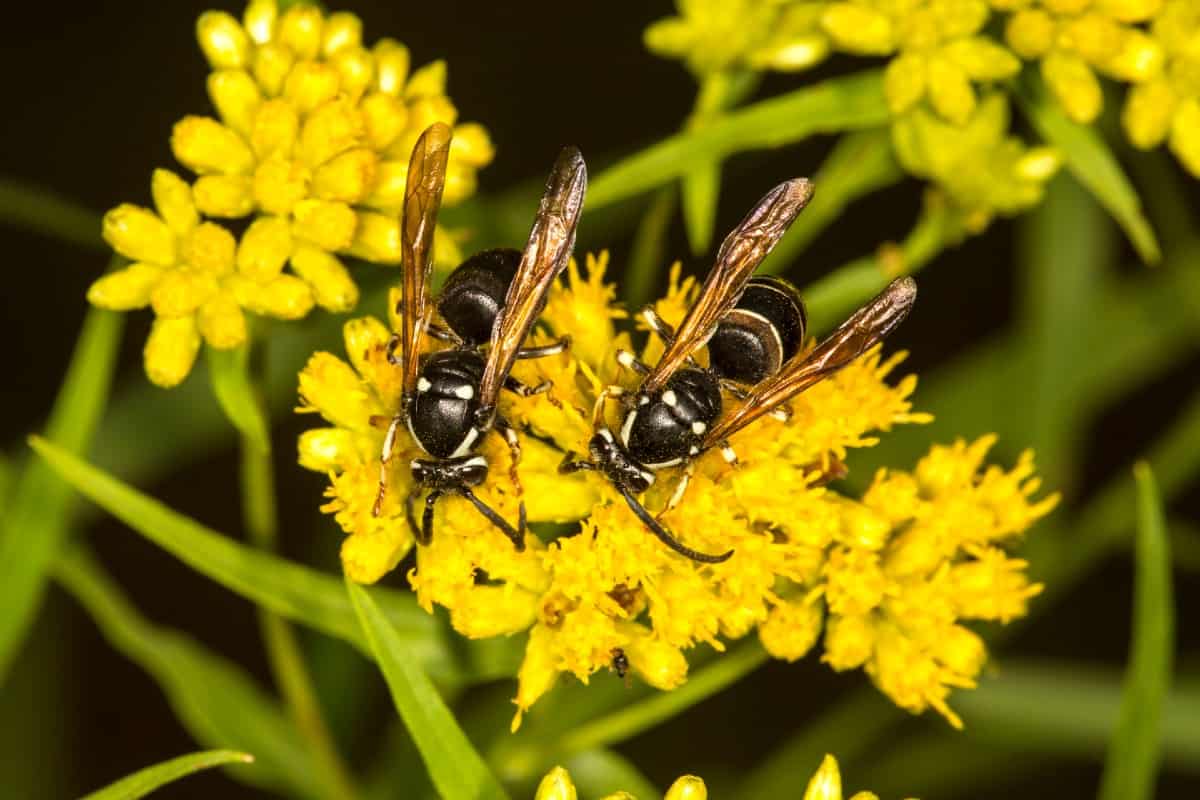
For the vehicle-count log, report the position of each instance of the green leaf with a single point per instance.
(861, 163)
(699, 191)
(1089, 159)
(601, 773)
(648, 259)
(145, 781)
(227, 369)
(455, 768)
(290, 590)
(213, 698)
(35, 523)
(847, 103)
(1134, 751)
(35, 208)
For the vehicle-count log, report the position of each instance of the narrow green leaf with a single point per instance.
(34, 525)
(145, 781)
(455, 768)
(1089, 159)
(602, 773)
(1073, 709)
(648, 258)
(862, 162)
(227, 370)
(839, 104)
(35, 208)
(213, 698)
(699, 191)
(1135, 749)
(290, 590)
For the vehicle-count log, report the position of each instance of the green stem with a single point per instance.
(649, 249)
(38, 209)
(283, 650)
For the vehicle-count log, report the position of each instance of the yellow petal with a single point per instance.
(206, 146)
(300, 29)
(377, 239)
(982, 59)
(285, 297)
(138, 234)
(326, 449)
(329, 225)
(236, 97)
(223, 40)
(171, 350)
(656, 662)
(428, 81)
(826, 783)
(391, 66)
(221, 322)
(125, 289)
(181, 291)
(264, 248)
(858, 29)
(173, 199)
(487, 611)
(225, 195)
(950, 90)
(1139, 58)
(347, 177)
(471, 145)
(333, 288)
(556, 785)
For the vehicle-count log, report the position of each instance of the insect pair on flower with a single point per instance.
(753, 329)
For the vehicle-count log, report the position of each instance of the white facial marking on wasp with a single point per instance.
(699, 427)
(465, 392)
(605, 434)
(477, 461)
(693, 450)
(669, 397)
(664, 464)
(423, 384)
(643, 400)
(627, 427)
(625, 358)
(648, 477)
(465, 446)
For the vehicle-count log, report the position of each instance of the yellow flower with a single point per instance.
(938, 45)
(314, 136)
(1167, 107)
(186, 270)
(716, 35)
(1073, 39)
(981, 169)
(888, 578)
(825, 784)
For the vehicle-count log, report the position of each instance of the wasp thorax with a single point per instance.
(442, 412)
(664, 428)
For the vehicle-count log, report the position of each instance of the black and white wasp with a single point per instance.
(754, 329)
(489, 303)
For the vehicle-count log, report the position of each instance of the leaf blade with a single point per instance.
(1088, 158)
(1134, 751)
(145, 781)
(236, 395)
(455, 767)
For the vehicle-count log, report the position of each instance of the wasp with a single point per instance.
(754, 329)
(489, 303)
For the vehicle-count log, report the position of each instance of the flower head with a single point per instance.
(1075, 39)
(1167, 106)
(888, 577)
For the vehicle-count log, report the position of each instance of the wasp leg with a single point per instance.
(665, 536)
(611, 390)
(728, 454)
(517, 535)
(514, 449)
(444, 334)
(629, 361)
(734, 389)
(525, 390)
(410, 513)
(389, 443)
(680, 488)
(427, 518)
(657, 324)
(569, 466)
(545, 350)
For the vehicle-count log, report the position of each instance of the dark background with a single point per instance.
(91, 93)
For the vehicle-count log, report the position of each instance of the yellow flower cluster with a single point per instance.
(888, 576)
(1167, 106)
(312, 143)
(825, 784)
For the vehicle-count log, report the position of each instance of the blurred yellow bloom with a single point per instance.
(187, 271)
(938, 45)
(314, 136)
(1167, 107)
(1073, 39)
(716, 35)
(825, 784)
(887, 578)
(979, 167)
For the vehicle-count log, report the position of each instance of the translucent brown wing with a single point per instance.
(546, 255)
(863, 330)
(740, 254)
(422, 199)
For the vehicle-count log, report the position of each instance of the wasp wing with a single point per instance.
(863, 330)
(422, 199)
(740, 254)
(546, 255)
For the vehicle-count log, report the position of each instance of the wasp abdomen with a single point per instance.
(474, 293)
(763, 331)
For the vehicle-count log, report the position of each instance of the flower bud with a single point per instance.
(1148, 113)
(858, 29)
(556, 785)
(391, 66)
(225, 195)
(126, 289)
(377, 238)
(272, 64)
(204, 146)
(259, 20)
(326, 224)
(657, 663)
(688, 787)
(327, 449)
(311, 84)
(849, 642)
(791, 629)
(236, 98)
(1074, 85)
(300, 30)
(173, 199)
(333, 289)
(384, 118)
(347, 177)
(223, 40)
(332, 129)
(171, 350)
(285, 297)
(1185, 135)
(221, 322)
(427, 81)
(138, 234)
(904, 82)
(209, 248)
(826, 784)
(181, 291)
(264, 248)
(343, 30)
